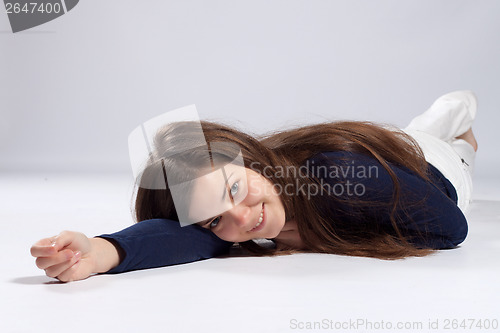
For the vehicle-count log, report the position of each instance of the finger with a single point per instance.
(56, 270)
(44, 247)
(70, 273)
(78, 271)
(64, 239)
(56, 259)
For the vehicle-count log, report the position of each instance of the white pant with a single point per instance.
(436, 130)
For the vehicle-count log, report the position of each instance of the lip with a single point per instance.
(261, 225)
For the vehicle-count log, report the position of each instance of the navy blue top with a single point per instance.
(434, 222)
(428, 214)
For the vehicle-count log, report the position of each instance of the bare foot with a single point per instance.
(469, 137)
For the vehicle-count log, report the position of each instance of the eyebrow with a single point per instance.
(226, 189)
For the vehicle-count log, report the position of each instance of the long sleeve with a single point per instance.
(428, 211)
(162, 242)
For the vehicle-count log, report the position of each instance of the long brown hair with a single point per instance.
(320, 232)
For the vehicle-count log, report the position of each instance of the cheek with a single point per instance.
(252, 186)
(258, 190)
(228, 234)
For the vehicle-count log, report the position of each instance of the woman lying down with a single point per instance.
(347, 187)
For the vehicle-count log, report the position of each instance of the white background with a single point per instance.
(71, 90)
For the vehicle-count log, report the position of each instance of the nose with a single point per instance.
(240, 215)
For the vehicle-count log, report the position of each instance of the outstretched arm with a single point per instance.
(153, 243)
(72, 256)
(162, 242)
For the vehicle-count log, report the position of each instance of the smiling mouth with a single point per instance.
(260, 223)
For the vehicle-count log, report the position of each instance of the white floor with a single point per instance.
(241, 294)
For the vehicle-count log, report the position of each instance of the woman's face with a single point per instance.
(258, 214)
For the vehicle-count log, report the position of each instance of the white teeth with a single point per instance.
(261, 218)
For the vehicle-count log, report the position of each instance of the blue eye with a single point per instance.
(214, 222)
(234, 189)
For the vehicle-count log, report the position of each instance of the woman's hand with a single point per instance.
(72, 256)
(67, 256)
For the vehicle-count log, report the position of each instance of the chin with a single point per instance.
(274, 234)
